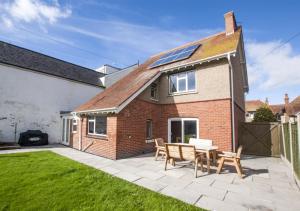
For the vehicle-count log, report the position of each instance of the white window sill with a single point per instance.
(154, 99)
(148, 141)
(95, 134)
(182, 93)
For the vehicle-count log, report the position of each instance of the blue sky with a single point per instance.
(92, 33)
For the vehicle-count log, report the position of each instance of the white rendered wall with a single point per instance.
(30, 100)
(112, 78)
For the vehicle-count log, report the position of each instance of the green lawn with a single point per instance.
(47, 181)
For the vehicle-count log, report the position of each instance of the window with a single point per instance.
(182, 82)
(97, 125)
(149, 129)
(180, 130)
(74, 125)
(153, 91)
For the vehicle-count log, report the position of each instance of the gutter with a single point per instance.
(104, 110)
(232, 102)
(200, 61)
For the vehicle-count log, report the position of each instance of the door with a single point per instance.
(66, 133)
(180, 130)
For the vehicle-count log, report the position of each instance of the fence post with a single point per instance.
(283, 120)
(283, 140)
(298, 124)
(291, 144)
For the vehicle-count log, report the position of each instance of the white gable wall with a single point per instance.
(33, 101)
(112, 78)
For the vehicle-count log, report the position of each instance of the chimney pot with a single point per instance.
(230, 23)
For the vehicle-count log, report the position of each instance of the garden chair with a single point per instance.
(160, 147)
(231, 158)
(183, 152)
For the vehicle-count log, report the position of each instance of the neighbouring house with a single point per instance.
(195, 90)
(251, 107)
(113, 74)
(36, 90)
(289, 109)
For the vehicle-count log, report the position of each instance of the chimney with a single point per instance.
(230, 24)
(267, 101)
(286, 99)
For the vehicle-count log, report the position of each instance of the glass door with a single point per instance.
(176, 131)
(66, 130)
(180, 130)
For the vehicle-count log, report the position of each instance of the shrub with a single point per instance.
(264, 114)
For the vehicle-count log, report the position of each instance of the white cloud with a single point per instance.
(266, 70)
(145, 39)
(30, 11)
(7, 22)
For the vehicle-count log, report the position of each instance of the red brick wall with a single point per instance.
(132, 128)
(214, 123)
(126, 135)
(101, 146)
(214, 119)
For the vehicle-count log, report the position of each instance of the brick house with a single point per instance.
(251, 107)
(195, 90)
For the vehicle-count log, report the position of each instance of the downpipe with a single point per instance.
(232, 102)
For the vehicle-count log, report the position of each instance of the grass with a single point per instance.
(47, 181)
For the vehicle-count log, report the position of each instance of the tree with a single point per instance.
(264, 114)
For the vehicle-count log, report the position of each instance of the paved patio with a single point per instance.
(268, 184)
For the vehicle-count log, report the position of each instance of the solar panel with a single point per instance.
(175, 55)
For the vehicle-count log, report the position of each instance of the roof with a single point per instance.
(277, 109)
(34, 61)
(128, 87)
(296, 105)
(253, 105)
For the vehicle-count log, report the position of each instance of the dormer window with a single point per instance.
(153, 91)
(182, 82)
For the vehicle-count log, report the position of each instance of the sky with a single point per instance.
(92, 33)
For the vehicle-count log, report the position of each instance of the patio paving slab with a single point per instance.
(127, 176)
(206, 190)
(150, 184)
(253, 203)
(215, 204)
(268, 183)
(185, 195)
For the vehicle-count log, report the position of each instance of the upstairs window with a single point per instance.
(182, 82)
(97, 125)
(149, 134)
(153, 91)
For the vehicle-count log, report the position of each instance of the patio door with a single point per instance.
(66, 132)
(180, 130)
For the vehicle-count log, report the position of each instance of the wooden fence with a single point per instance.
(290, 143)
(260, 138)
(273, 139)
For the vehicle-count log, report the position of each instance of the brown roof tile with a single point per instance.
(253, 105)
(277, 109)
(296, 105)
(115, 95)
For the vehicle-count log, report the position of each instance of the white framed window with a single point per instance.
(182, 82)
(74, 125)
(153, 91)
(97, 125)
(149, 128)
